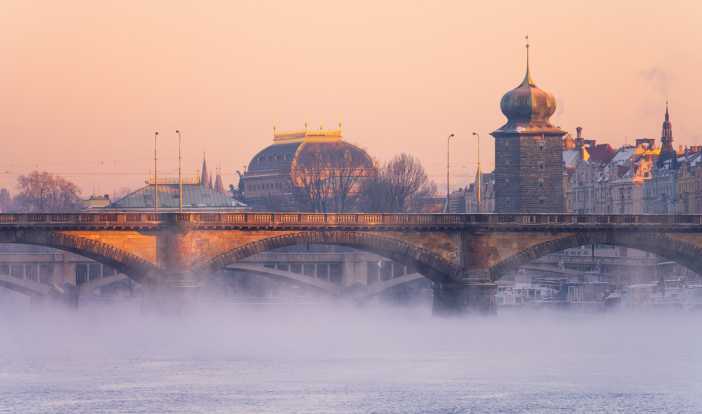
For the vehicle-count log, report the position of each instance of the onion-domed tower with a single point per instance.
(528, 152)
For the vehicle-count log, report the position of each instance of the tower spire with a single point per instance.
(204, 174)
(667, 150)
(667, 114)
(527, 76)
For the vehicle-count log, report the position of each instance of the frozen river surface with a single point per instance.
(346, 360)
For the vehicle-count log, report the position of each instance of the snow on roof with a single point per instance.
(623, 154)
(570, 158)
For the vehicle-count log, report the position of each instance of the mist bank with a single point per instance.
(513, 341)
(337, 357)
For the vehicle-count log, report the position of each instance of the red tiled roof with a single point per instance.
(602, 153)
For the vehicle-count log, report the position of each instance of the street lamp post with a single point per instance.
(478, 177)
(180, 172)
(155, 174)
(448, 170)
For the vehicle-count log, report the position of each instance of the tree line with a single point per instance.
(41, 192)
(327, 183)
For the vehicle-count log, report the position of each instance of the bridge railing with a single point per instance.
(81, 218)
(343, 219)
(365, 219)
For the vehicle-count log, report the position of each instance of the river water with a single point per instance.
(337, 358)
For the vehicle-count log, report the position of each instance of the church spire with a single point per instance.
(204, 175)
(667, 131)
(219, 185)
(667, 150)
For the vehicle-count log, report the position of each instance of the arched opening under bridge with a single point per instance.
(327, 270)
(39, 271)
(594, 268)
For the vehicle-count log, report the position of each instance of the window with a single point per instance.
(335, 273)
(94, 271)
(372, 271)
(308, 269)
(81, 273)
(31, 272)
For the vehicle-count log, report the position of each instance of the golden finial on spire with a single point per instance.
(527, 77)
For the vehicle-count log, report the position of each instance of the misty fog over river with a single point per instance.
(339, 358)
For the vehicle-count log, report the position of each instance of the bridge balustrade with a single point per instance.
(504, 218)
(688, 219)
(345, 219)
(260, 219)
(8, 218)
(287, 218)
(133, 218)
(478, 218)
(370, 219)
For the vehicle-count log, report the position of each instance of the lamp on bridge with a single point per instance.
(156, 201)
(180, 172)
(448, 170)
(478, 176)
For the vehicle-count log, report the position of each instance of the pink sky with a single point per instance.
(85, 83)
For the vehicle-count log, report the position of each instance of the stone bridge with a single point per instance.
(463, 254)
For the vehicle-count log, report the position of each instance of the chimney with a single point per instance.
(579, 142)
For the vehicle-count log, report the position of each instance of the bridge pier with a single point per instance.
(173, 295)
(471, 296)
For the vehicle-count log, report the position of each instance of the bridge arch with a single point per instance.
(24, 287)
(683, 252)
(429, 264)
(122, 261)
(292, 278)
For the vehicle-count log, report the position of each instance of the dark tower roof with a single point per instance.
(274, 158)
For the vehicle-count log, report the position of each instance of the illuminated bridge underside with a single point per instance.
(451, 250)
(25, 287)
(309, 282)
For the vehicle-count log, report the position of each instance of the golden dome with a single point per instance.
(528, 107)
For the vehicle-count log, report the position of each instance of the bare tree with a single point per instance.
(5, 200)
(120, 193)
(398, 186)
(44, 192)
(329, 180)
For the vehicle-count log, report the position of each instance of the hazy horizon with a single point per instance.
(86, 84)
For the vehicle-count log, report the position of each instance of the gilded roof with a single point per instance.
(296, 149)
(528, 109)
